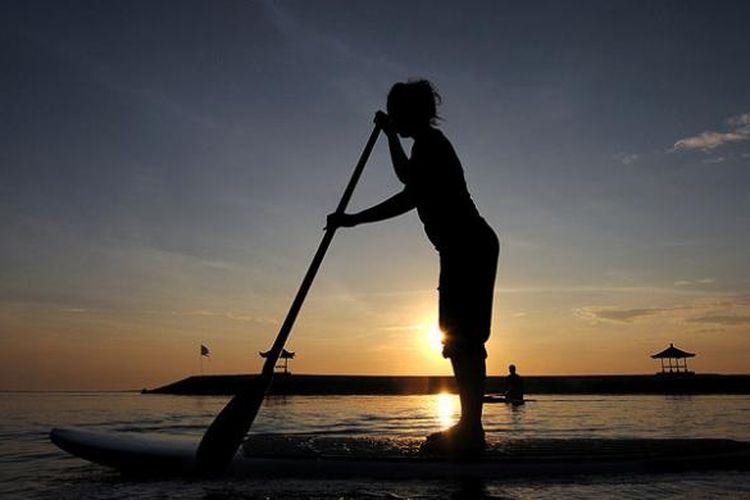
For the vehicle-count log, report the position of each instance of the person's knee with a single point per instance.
(463, 346)
(468, 367)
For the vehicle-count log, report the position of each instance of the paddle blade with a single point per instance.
(226, 432)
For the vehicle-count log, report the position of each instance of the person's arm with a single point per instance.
(398, 157)
(398, 204)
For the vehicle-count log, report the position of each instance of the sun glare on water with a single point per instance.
(446, 409)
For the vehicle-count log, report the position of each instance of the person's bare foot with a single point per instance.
(444, 433)
(457, 440)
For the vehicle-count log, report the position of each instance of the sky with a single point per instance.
(166, 169)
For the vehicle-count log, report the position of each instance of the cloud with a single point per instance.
(594, 289)
(703, 281)
(619, 315)
(74, 310)
(725, 320)
(403, 328)
(245, 318)
(626, 158)
(220, 264)
(739, 120)
(739, 131)
(721, 311)
(718, 159)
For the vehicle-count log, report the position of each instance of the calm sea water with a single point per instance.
(30, 466)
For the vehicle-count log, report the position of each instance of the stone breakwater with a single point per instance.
(415, 385)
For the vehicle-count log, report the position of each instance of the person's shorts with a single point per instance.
(467, 284)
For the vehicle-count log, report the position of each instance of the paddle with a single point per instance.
(226, 432)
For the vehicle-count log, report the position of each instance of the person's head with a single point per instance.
(413, 106)
(512, 369)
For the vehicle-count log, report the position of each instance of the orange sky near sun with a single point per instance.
(69, 350)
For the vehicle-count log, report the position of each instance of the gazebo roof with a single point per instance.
(284, 354)
(673, 352)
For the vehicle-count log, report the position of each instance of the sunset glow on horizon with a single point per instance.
(165, 184)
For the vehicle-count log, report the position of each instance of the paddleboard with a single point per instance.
(321, 456)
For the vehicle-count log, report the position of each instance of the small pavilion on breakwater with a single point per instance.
(285, 356)
(676, 360)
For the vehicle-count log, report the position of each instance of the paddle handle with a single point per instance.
(299, 299)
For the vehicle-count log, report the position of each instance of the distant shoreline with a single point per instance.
(415, 385)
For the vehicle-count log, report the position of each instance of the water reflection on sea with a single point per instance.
(30, 466)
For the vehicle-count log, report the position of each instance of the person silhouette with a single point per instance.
(468, 247)
(513, 386)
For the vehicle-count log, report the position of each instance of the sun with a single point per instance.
(434, 338)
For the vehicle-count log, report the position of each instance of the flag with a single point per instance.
(204, 351)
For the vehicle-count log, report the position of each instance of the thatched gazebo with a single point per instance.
(285, 356)
(676, 360)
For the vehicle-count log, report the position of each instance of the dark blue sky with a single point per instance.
(167, 166)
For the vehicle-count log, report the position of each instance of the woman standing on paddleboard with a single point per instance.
(434, 184)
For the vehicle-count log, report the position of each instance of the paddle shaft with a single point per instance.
(226, 432)
(299, 299)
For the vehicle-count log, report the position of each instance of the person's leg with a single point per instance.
(470, 372)
(469, 283)
(465, 314)
(449, 351)
(461, 386)
(467, 436)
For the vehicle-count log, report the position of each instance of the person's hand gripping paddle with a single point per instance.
(225, 434)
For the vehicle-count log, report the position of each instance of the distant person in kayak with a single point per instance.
(434, 184)
(513, 385)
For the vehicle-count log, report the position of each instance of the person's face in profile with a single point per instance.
(402, 120)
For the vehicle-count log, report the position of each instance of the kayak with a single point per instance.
(323, 456)
(502, 399)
